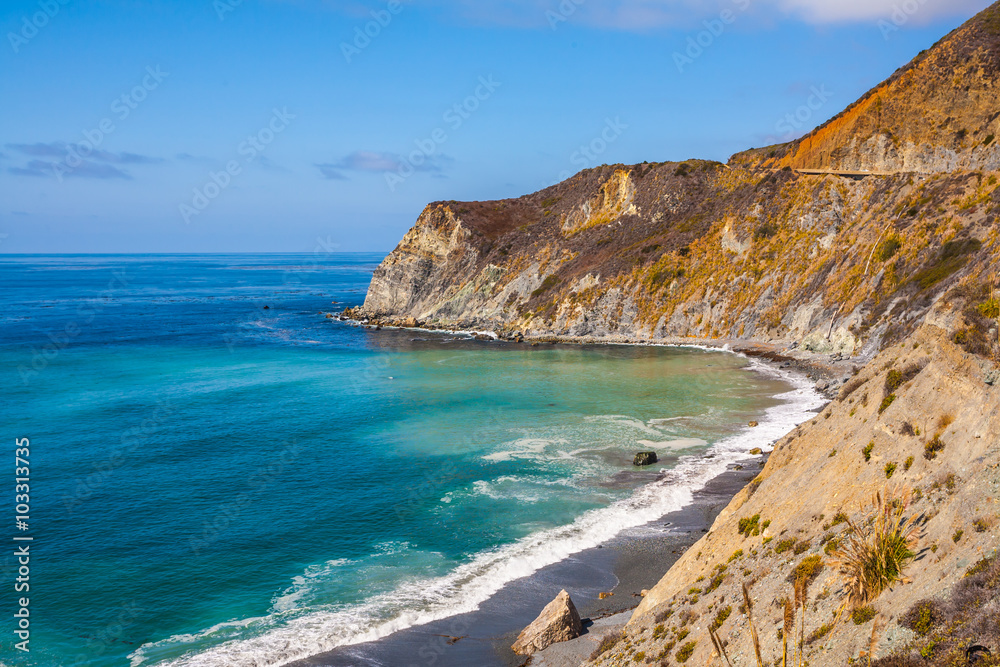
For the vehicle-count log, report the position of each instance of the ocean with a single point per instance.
(222, 475)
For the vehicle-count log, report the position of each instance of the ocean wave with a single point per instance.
(285, 636)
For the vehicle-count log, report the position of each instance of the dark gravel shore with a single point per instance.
(633, 561)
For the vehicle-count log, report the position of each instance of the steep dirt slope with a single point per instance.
(938, 113)
(822, 470)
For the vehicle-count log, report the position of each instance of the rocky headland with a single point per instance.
(866, 251)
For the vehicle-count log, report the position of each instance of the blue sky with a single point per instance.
(279, 125)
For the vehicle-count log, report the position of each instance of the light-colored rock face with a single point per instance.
(614, 199)
(558, 622)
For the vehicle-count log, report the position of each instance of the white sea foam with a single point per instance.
(679, 443)
(285, 636)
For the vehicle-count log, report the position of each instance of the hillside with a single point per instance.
(893, 272)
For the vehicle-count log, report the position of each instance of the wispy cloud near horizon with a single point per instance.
(93, 164)
(376, 162)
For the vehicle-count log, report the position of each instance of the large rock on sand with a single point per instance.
(558, 622)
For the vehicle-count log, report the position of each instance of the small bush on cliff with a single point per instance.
(932, 448)
(749, 525)
(685, 652)
(608, 643)
(720, 618)
(784, 545)
(867, 451)
(862, 615)
(547, 284)
(923, 616)
(953, 256)
(888, 248)
(807, 570)
(877, 547)
(886, 402)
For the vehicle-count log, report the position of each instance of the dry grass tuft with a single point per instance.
(876, 547)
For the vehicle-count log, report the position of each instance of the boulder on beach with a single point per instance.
(756, 451)
(644, 459)
(558, 622)
(753, 424)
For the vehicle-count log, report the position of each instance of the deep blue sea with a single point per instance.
(223, 476)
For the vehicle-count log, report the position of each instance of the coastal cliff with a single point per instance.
(872, 239)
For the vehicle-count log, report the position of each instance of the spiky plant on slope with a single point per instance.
(877, 547)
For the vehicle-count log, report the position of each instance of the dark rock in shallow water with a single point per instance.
(558, 622)
(644, 459)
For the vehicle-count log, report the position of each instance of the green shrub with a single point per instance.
(888, 248)
(736, 554)
(819, 633)
(923, 616)
(547, 284)
(831, 546)
(953, 256)
(749, 526)
(802, 547)
(861, 615)
(908, 463)
(784, 545)
(720, 618)
(886, 402)
(932, 448)
(889, 469)
(608, 643)
(957, 535)
(867, 451)
(807, 570)
(685, 652)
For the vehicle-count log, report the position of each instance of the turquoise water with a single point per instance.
(216, 483)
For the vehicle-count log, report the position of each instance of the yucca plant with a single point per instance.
(877, 547)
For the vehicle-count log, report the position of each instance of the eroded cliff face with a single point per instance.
(698, 250)
(748, 250)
